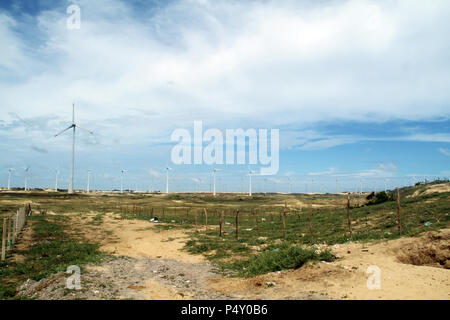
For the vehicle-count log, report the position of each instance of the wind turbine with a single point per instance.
(250, 173)
(26, 178)
(56, 181)
(167, 177)
(9, 177)
(197, 182)
(72, 164)
(214, 180)
(121, 180)
(289, 184)
(89, 177)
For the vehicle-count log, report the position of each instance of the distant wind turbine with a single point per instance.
(289, 184)
(10, 170)
(121, 180)
(26, 178)
(167, 177)
(56, 181)
(214, 180)
(72, 164)
(88, 180)
(250, 173)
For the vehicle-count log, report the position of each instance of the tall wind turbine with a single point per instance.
(88, 181)
(26, 178)
(121, 179)
(214, 180)
(72, 164)
(167, 178)
(56, 181)
(10, 170)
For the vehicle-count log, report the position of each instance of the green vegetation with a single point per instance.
(51, 250)
(279, 258)
(260, 246)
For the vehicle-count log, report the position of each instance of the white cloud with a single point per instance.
(380, 171)
(217, 61)
(329, 171)
(444, 151)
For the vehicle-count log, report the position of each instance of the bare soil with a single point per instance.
(148, 263)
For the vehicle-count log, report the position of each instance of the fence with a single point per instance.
(310, 224)
(12, 226)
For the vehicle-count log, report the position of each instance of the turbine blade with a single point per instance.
(69, 127)
(84, 129)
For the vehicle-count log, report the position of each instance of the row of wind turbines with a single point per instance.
(73, 128)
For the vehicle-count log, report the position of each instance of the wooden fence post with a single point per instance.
(284, 220)
(348, 216)
(9, 233)
(310, 224)
(399, 214)
(220, 223)
(237, 224)
(206, 218)
(196, 228)
(4, 240)
(257, 222)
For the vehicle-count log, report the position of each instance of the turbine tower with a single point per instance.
(72, 164)
(89, 177)
(214, 180)
(289, 184)
(121, 180)
(167, 178)
(26, 178)
(56, 181)
(9, 177)
(250, 173)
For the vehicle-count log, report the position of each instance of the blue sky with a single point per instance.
(360, 90)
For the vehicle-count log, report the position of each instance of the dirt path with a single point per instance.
(148, 263)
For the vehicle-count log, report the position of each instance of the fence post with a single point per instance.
(4, 240)
(257, 222)
(237, 224)
(220, 223)
(196, 228)
(399, 214)
(9, 233)
(310, 224)
(206, 218)
(284, 220)
(348, 216)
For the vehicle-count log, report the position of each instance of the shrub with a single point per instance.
(277, 258)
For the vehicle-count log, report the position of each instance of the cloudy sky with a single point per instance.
(360, 90)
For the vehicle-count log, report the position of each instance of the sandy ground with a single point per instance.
(438, 188)
(150, 265)
(347, 277)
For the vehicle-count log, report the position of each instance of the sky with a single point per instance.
(359, 91)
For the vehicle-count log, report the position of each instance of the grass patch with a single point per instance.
(52, 251)
(279, 258)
